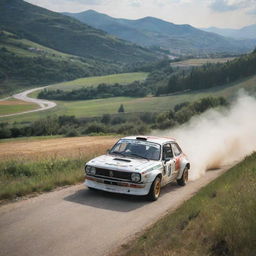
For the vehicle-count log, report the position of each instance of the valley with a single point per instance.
(73, 81)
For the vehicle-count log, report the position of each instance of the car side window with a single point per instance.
(176, 149)
(167, 151)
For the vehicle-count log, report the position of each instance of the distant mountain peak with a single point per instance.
(151, 31)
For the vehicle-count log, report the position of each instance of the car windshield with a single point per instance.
(137, 148)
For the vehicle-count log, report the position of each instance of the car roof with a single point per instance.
(155, 139)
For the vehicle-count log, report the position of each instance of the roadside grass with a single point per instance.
(200, 62)
(12, 106)
(218, 221)
(98, 107)
(32, 165)
(20, 177)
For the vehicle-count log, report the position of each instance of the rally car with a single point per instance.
(138, 165)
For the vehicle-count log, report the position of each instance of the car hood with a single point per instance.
(122, 163)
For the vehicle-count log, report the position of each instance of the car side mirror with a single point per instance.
(108, 151)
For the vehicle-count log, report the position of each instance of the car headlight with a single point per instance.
(90, 170)
(135, 177)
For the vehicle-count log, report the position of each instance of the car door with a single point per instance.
(177, 158)
(168, 163)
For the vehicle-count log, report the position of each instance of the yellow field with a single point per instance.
(59, 147)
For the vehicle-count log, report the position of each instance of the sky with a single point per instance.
(198, 13)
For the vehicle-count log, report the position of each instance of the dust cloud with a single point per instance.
(218, 137)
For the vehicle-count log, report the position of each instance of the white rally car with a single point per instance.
(138, 166)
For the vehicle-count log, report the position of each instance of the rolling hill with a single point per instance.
(66, 34)
(248, 32)
(178, 39)
(24, 63)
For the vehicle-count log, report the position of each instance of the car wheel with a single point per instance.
(184, 179)
(155, 189)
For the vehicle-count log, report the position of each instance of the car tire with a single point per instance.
(184, 178)
(155, 189)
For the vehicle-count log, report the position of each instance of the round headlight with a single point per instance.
(93, 171)
(135, 177)
(87, 169)
(90, 170)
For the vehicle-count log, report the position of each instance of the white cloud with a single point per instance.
(231, 5)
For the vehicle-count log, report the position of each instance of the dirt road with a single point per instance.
(43, 104)
(77, 221)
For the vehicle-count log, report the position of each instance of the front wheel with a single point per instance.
(155, 189)
(184, 179)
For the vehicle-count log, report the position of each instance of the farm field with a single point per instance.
(45, 147)
(200, 62)
(28, 165)
(10, 106)
(91, 108)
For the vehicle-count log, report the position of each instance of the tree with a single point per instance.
(121, 109)
(106, 118)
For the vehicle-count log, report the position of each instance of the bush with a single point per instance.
(72, 133)
(95, 128)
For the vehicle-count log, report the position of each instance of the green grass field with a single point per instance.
(124, 78)
(218, 221)
(91, 108)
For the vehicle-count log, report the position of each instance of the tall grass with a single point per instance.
(19, 178)
(219, 221)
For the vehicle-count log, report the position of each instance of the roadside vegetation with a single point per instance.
(25, 167)
(218, 221)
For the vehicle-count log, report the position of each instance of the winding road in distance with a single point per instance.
(43, 104)
(75, 221)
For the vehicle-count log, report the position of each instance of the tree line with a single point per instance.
(210, 75)
(163, 79)
(135, 89)
(121, 123)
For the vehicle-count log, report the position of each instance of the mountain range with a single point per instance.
(66, 34)
(153, 32)
(247, 32)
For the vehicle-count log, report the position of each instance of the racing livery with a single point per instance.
(138, 166)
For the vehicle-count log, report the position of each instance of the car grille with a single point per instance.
(111, 174)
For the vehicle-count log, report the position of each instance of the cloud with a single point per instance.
(252, 11)
(135, 3)
(230, 5)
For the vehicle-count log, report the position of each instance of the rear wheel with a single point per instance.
(184, 179)
(155, 189)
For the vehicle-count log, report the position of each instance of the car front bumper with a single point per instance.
(118, 186)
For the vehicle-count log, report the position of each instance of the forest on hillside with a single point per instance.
(164, 80)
